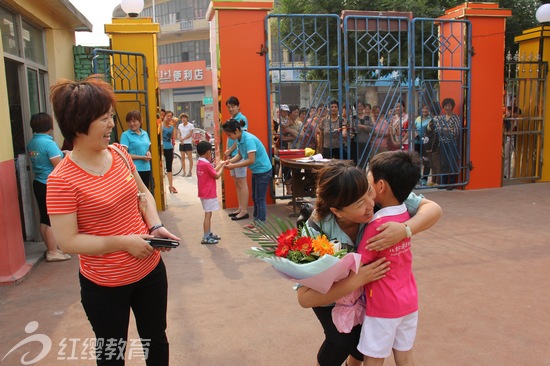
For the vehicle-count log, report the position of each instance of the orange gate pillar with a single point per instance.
(487, 82)
(237, 40)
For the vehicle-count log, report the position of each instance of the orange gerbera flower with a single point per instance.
(322, 245)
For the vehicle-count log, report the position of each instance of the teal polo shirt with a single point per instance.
(250, 143)
(40, 149)
(239, 117)
(137, 144)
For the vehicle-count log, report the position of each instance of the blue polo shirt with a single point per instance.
(167, 133)
(40, 149)
(137, 144)
(239, 117)
(250, 143)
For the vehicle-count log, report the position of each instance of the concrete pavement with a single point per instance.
(482, 271)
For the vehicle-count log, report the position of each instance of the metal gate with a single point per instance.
(522, 130)
(378, 62)
(127, 73)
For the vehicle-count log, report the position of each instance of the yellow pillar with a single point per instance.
(536, 41)
(139, 35)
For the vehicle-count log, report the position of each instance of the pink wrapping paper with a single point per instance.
(349, 311)
(323, 281)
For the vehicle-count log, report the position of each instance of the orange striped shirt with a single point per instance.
(105, 206)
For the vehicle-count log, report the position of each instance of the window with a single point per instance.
(10, 33)
(34, 44)
(184, 51)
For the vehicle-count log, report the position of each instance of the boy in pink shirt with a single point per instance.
(206, 182)
(392, 302)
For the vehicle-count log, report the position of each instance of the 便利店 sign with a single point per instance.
(184, 75)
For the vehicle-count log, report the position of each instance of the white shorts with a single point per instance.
(238, 172)
(380, 335)
(210, 204)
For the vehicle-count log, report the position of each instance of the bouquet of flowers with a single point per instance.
(313, 261)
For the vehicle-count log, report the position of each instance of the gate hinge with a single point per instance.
(471, 166)
(263, 50)
(472, 52)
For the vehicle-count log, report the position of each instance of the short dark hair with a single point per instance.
(401, 169)
(184, 115)
(334, 101)
(339, 184)
(77, 104)
(293, 107)
(133, 115)
(41, 122)
(232, 100)
(446, 101)
(203, 147)
(231, 125)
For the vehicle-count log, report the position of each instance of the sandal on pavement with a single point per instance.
(209, 240)
(250, 227)
(57, 257)
(215, 237)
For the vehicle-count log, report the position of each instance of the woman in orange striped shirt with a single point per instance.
(98, 208)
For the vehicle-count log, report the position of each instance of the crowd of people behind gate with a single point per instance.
(360, 131)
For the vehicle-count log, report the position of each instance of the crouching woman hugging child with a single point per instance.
(345, 204)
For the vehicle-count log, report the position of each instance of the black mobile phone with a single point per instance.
(163, 243)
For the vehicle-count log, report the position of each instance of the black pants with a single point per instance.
(421, 151)
(332, 153)
(146, 178)
(39, 189)
(337, 346)
(108, 310)
(168, 157)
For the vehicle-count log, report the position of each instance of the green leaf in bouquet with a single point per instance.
(259, 252)
(266, 233)
(341, 253)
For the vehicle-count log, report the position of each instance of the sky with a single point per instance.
(98, 12)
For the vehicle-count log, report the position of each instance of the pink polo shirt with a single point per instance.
(395, 295)
(206, 179)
